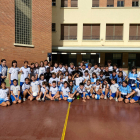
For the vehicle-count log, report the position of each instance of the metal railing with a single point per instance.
(134, 37)
(114, 37)
(68, 37)
(91, 37)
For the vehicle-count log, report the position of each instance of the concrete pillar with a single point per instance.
(79, 58)
(102, 58)
(125, 60)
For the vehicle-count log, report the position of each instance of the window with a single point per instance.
(114, 31)
(110, 3)
(74, 3)
(53, 2)
(64, 3)
(91, 31)
(23, 22)
(135, 3)
(120, 3)
(69, 32)
(134, 32)
(95, 3)
(53, 27)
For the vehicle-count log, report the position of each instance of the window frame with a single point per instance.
(20, 43)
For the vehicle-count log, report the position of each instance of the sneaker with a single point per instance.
(105, 97)
(39, 99)
(78, 97)
(116, 99)
(43, 99)
(24, 99)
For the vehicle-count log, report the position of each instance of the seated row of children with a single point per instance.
(88, 90)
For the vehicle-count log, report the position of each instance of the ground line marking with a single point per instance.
(65, 124)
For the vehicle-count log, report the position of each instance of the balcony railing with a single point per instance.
(91, 37)
(134, 37)
(114, 37)
(68, 37)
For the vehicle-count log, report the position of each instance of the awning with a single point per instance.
(96, 49)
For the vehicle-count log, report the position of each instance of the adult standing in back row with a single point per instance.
(3, 70)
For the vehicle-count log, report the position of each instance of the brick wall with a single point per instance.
(41, 32)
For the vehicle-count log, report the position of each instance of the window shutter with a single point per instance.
(73, 32)
(110, 2)
(95, 3)
(118, 31)
(74, 3)
(109, 31)
(64, 32)
(96, 31)
(133, 32)
(64, 3)
(87, 31)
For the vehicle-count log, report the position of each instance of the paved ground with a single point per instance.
(99, 120)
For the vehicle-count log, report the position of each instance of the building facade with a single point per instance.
(96, 31)
(25, 30)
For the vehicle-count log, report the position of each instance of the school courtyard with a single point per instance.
(54, 120)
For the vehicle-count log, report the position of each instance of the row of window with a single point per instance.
(92, 31)
(95, 3)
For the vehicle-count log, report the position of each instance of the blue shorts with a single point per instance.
(3, 101)
(52, 95)
(113, 95)
(132, 87)
(107, 93)
(124, 97)
(83, 95)
(136, 98)
(21, 83)
(13, 98)
(89, 94)
(138, 85)
(62, 96)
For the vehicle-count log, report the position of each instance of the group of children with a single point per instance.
(60, 82)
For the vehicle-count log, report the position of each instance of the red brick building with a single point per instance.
(25, 30)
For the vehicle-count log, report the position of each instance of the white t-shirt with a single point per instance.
(110, 68)
(86, 77)
(15, 89)
(104, 87)
(96, 87)
(78, 80)
(34, 86)
(53, 90)
(42, 70)
(138, 76)
(114, 87)
(43, 90)
(137, 91)
(56, 69)
(14, 73)
(80, 91)
(25, 86)
(4, 93)
(62, 69)
(65, 91)
(97, 71)
(53, 79)
(89, 88)
(90, 71)
(83, 71)
(25, 73)
(41, 81)
(70, 70)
